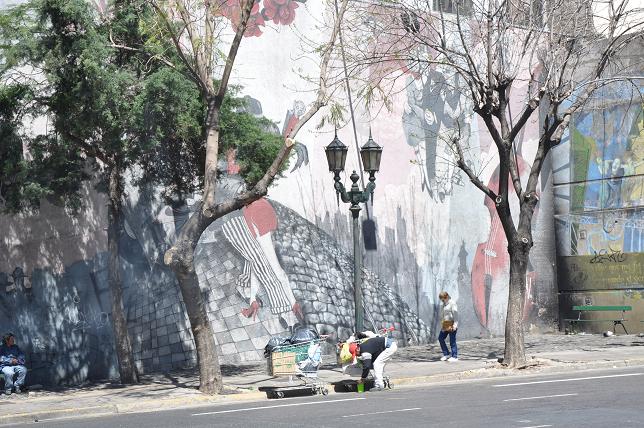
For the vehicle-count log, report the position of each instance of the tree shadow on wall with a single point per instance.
(63, 324)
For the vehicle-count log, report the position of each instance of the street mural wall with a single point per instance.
(286, 260)
(600, 192)
(268, 269)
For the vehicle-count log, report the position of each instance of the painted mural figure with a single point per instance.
(251, 235)
(608, 154)
(614, 156)
(433, 110)
(595, 173)
(19, 276)
(614, 184)
(634, 165)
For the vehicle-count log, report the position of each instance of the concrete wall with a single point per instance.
(599, 204)
(292, 264)
(434, 230)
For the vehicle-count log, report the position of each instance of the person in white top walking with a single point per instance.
(449, 326)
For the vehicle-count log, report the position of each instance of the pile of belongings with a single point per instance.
(307, 362)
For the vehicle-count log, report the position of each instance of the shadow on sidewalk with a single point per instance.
(150, 385)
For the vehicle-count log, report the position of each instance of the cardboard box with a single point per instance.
(282, 363)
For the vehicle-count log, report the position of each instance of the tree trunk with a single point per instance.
(212, 155)
(127, 369)
(514, 342)
(181, 259)
(195, 304)
(210, 381)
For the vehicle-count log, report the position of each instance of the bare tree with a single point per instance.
(198, 33)
(554, 53)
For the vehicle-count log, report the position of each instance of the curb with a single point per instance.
(138, 406)
(153, 405)
(493, 372)
(57, 414)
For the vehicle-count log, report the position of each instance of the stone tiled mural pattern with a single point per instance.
(317, 268)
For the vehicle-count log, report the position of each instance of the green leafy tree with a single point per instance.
(85, 88)
(169, 125)
(113, 103)
(25, 181)
(16, 191)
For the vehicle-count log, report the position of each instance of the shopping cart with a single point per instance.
(300, 363)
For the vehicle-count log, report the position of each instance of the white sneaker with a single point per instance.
(452, 360)
(444, 358)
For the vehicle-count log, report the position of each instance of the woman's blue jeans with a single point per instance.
(452, 342)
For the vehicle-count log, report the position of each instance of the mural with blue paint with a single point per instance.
(608, 153)
(607, 177)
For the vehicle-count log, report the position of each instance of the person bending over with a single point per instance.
(374, 353)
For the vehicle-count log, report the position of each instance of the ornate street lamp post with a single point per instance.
(336, 155)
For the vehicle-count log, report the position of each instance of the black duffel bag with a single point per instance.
(274, 342)
(304, 334)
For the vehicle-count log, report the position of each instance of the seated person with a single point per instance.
(12, 364)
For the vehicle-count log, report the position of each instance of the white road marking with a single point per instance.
(381, 413)
(275, 407)
(568, 380)
(541, 396)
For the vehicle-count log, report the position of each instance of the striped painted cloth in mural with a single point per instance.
(238, 234)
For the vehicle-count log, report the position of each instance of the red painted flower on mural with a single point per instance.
(280, 11)
(231, 9)
(255, 21)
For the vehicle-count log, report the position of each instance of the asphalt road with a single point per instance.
(606, 398)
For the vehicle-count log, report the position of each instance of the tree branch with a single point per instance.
(530, 107)
(535, 170)
(460, 162)
(177, 44)
(261, 188)
(215, 102)
(198, 47)
(89, 150)
(247, 7)
(114, 45)
(515, 175)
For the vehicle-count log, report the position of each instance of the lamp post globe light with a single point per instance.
(336, 155)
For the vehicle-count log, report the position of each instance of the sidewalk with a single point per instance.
(411, 365)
